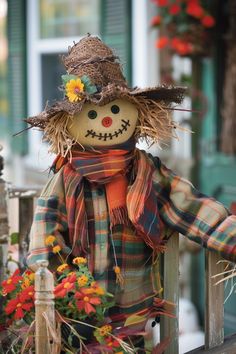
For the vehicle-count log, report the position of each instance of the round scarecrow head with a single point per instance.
(99, 109)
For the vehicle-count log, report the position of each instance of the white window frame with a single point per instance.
(145, 58)
(38, 156)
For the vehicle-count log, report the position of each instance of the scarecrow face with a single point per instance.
(106, 125)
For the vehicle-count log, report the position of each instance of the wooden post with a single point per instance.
(214, 306)
(44, 304)
(170, 326)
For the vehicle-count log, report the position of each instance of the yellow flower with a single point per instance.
(31, 276)
(50, 240)
(26, 283)
(71, 273)
(99, 291)
(105, 330)
(82, 280)
(56, 249)
(74, 89)
(62, 267)
(79, 260)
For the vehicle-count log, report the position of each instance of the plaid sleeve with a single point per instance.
(49, 219)
(202, 219)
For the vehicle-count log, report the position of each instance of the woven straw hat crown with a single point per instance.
(91, 57)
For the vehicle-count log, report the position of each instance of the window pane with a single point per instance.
(52, 69)
(68, 18)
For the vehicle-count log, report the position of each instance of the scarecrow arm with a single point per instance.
(202, 219)
(49, 219)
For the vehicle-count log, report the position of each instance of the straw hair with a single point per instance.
(154, 125)
(57, 135)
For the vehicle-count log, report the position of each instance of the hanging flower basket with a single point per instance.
(187, 27)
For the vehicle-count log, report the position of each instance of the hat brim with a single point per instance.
(163, 93)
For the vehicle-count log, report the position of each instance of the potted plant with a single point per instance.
(185, 25)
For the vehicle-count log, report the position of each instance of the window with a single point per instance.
(52, 26)
(67, 18)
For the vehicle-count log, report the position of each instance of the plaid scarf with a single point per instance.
(134, 203)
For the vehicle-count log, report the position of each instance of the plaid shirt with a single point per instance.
(181, 207)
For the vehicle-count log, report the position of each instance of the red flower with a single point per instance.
(27, 293)
(65, 286)
(10, 284)
(180, 46)
(162, 42)
(174, 9)
(156, 20)
(161, 3)
(208, 21)
(111, 342)
(17, 306)
(195, 10)
(86, 301)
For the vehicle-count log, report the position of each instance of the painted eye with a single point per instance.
(115, 109)
(92, 114)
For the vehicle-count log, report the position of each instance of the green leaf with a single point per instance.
(67, 78)
(15, 238)
(86, 80)
(134, 319)
(89, 87)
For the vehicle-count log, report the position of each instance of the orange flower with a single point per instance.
(162, 42)
(208, 21)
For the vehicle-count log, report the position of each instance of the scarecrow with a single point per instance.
(107, 200)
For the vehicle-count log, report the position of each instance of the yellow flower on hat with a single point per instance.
(74, 88)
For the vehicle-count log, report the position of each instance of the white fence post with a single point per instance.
(44, 307)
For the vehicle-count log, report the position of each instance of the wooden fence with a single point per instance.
(214, 296)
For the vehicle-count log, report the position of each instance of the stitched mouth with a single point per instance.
(109, 136)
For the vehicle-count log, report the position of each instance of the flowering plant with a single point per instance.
(186, 26)
(75, 87)
(79, 300)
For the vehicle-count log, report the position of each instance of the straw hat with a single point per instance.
(94, 75)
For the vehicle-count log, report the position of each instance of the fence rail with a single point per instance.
(214, 297)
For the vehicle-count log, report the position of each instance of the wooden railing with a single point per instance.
(214, 296)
